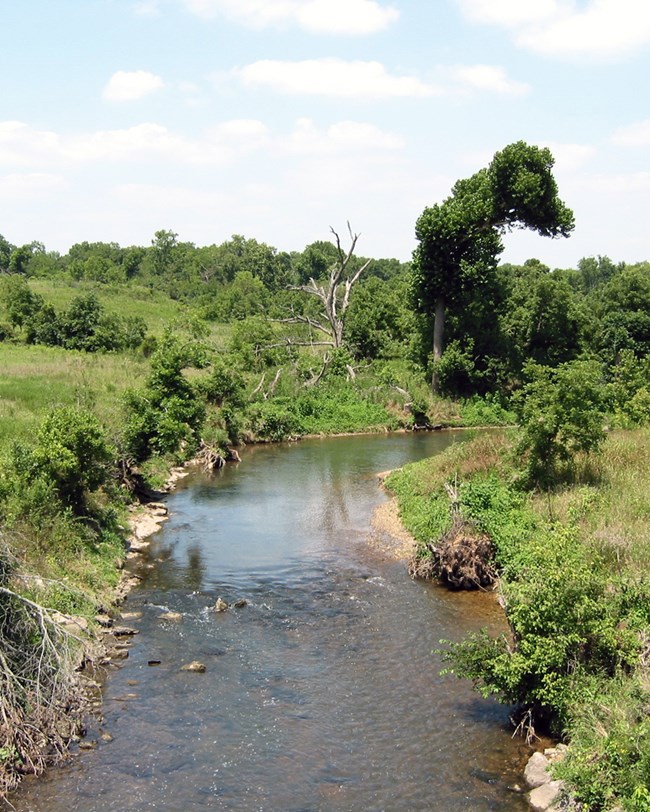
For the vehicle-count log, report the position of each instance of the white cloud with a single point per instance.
(20, 145)
(221, 145)
(490, 78)
(619, 183)
(569, 157)
(367, 80)
(29, 183)
(634, 135)
(131, 85)
(344, 136)
(345, 16)
(331, 77)
(147, 8)
(510, 13)
(598, 28)
(139, 141)
(316, 16)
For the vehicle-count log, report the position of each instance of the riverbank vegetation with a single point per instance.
(117, 363)
(572, 570)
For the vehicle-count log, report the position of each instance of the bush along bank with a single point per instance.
(60, 548)
(571, 563)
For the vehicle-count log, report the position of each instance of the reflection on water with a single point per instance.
(323, 692)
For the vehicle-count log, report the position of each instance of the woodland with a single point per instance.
(120, 362)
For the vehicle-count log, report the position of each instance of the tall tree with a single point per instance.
(460, 239)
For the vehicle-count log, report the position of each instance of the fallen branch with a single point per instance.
(41, 698)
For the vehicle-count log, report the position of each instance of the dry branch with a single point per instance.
(336, 296)
(41, 698)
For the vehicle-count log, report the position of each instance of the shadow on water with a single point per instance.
(321, 693)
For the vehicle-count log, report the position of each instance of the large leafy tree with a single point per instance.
(460, 239)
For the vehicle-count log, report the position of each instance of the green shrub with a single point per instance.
(561, 413)
(486, 411)
(224, 385)
(609, 757)
(256, 345)
(167, 415)
(456, 370)
(275, 420)
(571, 619)
(70, 459)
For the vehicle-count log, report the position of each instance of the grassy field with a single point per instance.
(35, 379)
(155, 308)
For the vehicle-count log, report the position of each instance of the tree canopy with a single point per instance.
(460, 239)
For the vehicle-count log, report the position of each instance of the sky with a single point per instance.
(278, 119)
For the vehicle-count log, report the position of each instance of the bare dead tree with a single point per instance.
(266, 394)
(335, 297)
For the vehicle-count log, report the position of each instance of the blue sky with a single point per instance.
(277, 119)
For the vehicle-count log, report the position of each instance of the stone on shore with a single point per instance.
(544, 798)
(536, 772)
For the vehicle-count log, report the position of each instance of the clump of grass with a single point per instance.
(420, 487)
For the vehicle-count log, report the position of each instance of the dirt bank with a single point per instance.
(389, 536)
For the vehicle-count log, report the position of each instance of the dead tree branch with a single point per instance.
(41, 701)
(335, 297)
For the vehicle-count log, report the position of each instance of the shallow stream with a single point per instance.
(323, 692)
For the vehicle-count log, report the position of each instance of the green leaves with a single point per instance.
(168, 412)
(70, 459)
(460, 238)
(561, 413)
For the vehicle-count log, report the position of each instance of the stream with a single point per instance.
(324, 691)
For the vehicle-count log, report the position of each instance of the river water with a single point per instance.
(323, 692)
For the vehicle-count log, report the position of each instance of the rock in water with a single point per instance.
(195, 666)
(221, 605)
(175, 617)
(545, 797)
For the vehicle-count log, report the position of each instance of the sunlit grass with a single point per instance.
(35, 379)
(154, 307)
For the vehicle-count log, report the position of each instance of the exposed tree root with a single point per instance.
(462, 558)
(211, 458)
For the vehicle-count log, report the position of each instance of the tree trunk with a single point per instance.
(438, 333)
